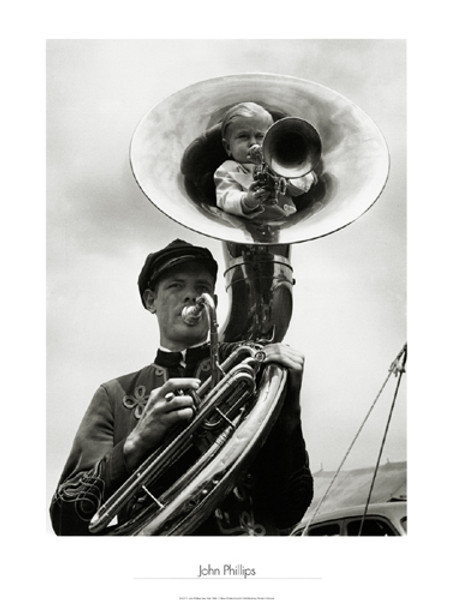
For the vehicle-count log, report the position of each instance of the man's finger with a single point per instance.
(179, 383)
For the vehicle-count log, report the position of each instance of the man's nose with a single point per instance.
(191, 294)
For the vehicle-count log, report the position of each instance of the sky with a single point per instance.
(349, 315)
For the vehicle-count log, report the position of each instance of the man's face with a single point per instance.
(177, 288)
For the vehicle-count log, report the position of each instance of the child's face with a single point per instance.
(243, 133)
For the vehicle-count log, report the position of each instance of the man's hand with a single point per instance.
(167, 406)
(288, 421)
(284, 355)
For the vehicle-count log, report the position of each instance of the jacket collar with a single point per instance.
(189, 356)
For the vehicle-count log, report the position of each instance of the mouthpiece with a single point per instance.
(191, 315)
(255, 154)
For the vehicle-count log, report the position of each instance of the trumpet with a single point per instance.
(290, 149)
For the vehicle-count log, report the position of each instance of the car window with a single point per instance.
(371, 526)
(404, 523)
(324, 529)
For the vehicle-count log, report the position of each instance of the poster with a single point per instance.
(99, 229)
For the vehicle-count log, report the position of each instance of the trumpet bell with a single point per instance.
(292, 147)
(352, 171)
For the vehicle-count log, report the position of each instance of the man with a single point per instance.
(130, 416)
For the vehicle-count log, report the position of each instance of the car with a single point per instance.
(384, 518)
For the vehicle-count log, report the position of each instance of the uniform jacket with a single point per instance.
(273, 495)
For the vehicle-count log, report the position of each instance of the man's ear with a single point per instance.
(149, 300)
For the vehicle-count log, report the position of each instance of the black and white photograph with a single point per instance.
(226, 333)
(312, 272)
(226, 288)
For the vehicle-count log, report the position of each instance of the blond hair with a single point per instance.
(243, 109)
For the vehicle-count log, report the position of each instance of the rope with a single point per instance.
(402, 356)
(393, 369)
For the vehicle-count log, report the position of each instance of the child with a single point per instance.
(237, 192)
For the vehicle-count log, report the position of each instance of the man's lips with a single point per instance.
(190, 319)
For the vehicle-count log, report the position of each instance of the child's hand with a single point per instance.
(255, 197)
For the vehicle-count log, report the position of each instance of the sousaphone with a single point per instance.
(174, 152)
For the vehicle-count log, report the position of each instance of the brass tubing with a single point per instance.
(160, 459)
